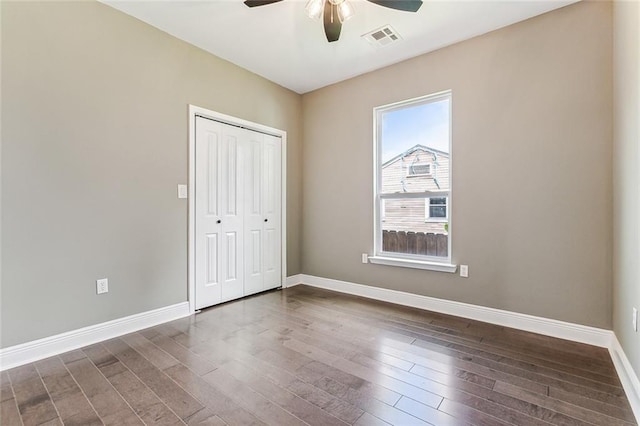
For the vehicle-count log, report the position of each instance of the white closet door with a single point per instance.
(232, 169)
(272, 202)
(262, 215)
(218, 226)
(238, 215)
(208, 238)
(254, 217)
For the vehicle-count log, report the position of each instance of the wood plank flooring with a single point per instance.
(304, 356)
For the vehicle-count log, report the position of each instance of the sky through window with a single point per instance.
(426, 124)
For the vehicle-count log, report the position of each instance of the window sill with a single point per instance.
(411, 263)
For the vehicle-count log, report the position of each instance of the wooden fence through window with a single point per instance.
(415, 243)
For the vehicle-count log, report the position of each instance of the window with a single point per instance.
(413, 183)
(419, 170)
(436, 208)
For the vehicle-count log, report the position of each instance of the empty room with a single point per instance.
(320, 212)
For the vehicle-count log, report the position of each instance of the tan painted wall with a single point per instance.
(94, 141)
(543, 85)
(626, 186)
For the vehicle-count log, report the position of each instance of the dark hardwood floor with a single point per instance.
(308, 356)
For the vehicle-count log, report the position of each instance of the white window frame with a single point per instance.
(402, 259)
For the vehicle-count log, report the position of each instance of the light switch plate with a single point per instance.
(635, 319)
(182, 191)
(365, 258)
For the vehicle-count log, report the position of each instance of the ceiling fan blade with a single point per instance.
(254, 3)
(404, 5)
(332, 24)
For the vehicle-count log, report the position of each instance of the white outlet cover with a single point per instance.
(102, 286)
(635, 319)
(182, 191)
(365, 258)
(464, 271)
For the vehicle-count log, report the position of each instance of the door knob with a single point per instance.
(219, 221)
(266, 220)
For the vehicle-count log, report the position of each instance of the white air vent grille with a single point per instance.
(382, 36)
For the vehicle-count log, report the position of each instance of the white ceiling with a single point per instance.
(279, 42)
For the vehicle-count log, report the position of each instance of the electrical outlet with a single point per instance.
(102, 286)
(635, 319)
(182, 191)
(365, 258)
(464, 271)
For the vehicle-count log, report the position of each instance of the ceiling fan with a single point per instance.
(337, 11)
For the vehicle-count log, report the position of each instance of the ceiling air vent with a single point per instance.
(382, 36)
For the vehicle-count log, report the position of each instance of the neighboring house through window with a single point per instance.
(413, 181)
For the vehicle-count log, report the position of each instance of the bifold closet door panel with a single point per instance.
(233, 170)
(254, 216)
(219, 211)
(208, 239)
(263, 223)
(272, 205)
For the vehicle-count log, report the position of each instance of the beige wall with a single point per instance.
(626, 185)
(532, 136)
(94, 141)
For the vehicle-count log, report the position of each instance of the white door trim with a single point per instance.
(234, 121)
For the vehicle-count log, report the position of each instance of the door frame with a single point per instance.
(195, 111)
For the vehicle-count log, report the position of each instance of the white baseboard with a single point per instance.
(628, 376)
(25, 353)
(548, 327)
(293, 280)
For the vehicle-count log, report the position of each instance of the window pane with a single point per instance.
(414, 148)
(437, 211)
(437, 208)
(404, 229)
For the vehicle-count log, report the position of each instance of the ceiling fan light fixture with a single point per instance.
(328, 9)
(315, 9)
(345, 11)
